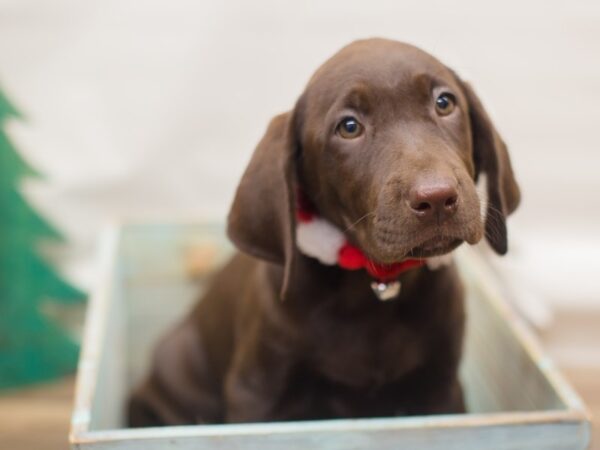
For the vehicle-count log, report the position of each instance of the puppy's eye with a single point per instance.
(350, 128)
(445, 104)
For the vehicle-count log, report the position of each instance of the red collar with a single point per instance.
(352, 258)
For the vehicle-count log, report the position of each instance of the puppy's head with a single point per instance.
(388, 144)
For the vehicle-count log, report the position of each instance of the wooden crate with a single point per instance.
(152, 273)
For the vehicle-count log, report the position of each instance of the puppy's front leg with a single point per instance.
(257, 386)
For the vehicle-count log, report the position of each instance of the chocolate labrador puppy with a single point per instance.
(377, 165)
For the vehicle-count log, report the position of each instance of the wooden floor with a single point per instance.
(37, 418)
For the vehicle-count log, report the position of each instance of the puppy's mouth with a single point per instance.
(435, 246)
(395, 242)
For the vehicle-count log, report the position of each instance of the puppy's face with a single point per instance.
(386, 151)
(387, 143)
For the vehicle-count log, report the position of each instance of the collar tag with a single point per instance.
(386, 290)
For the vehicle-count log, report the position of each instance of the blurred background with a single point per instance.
(150, 110)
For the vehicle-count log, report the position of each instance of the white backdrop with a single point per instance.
(152, 108)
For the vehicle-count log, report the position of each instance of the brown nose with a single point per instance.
(434, 200)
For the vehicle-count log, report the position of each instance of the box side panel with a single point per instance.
(110, 388)
(87, 404)
(537, 436)
(498, 371)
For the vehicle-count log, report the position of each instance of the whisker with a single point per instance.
(356, 222)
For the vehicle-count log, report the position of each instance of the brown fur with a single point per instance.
(279, 336)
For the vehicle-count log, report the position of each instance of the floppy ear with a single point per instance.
(261, 220)
(491, 158)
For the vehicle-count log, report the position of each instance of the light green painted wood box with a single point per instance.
(149, 275)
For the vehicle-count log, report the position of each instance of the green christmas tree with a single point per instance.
(32, 347)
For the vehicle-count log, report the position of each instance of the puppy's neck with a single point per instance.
(346, 291)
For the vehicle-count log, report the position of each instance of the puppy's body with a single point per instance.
(329, 351)
(399, 180)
